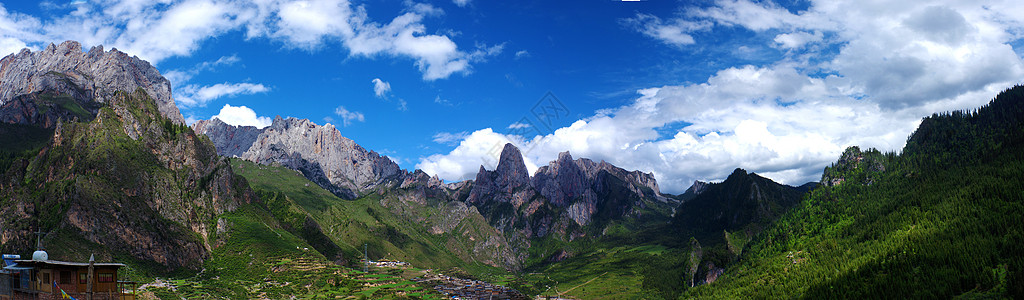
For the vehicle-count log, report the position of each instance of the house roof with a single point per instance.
(32, 263)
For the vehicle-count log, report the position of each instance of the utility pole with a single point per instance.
(90, 276)
(366, 260)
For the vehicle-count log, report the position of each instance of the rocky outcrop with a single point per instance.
(93, 76)
(321, 153)
(230, 141)
(861, 166)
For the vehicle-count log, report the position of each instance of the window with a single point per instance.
(46, 279)
(65, 277)
(83, 278)
(106, 277)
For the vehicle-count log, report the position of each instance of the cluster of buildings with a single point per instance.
(458, 288)
(42, 278)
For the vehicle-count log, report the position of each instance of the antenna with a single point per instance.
(39, 240)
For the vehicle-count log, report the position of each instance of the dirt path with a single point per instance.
(582, 284)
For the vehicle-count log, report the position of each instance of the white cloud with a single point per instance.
(347, 117)
(194, 95)
(449, 138)
(672, 33)
(242, 116)
(381, 88)
(180, 77)
(156, 30)
(444, 102)
(15, 30)
(461, 3)
(518, 125)
(402, 105)
(522, 54)
(307, 23)
(797, 39)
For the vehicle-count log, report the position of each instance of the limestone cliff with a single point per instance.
(84, 77)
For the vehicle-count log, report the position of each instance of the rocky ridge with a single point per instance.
(93, 76)
(320, 152)
(563, 197)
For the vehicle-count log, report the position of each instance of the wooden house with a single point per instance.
(41, 278)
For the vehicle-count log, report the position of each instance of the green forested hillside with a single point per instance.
(944, 218)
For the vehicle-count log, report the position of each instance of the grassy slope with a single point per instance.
(352, 223)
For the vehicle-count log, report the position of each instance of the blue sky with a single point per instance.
(686, 90)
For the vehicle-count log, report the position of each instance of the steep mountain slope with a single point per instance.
(130, 182)
(74, 79)
(942, 219)
(327, 158)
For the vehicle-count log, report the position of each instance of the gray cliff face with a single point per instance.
(561, 181)
(231, 141)
(321, 153)
(95, 75)
(574, 193)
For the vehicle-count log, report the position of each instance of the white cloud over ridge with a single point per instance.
(156, 30)
(242, 116)
(853, 73)
(194, 95)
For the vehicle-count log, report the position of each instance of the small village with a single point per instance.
(458, 288)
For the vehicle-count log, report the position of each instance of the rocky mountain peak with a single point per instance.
(737, 173)
(93, 76)
(511, 171)
(562, 180)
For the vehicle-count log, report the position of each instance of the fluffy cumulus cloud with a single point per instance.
(242, 116)
(347, 117)
(156, 30)
(194, 95)
(851, 73)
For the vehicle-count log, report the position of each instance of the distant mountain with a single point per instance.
(695, 189)
(743, 199)
(568, 198)
(63, 82)
(327, 158)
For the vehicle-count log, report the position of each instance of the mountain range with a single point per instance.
(96, 155)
